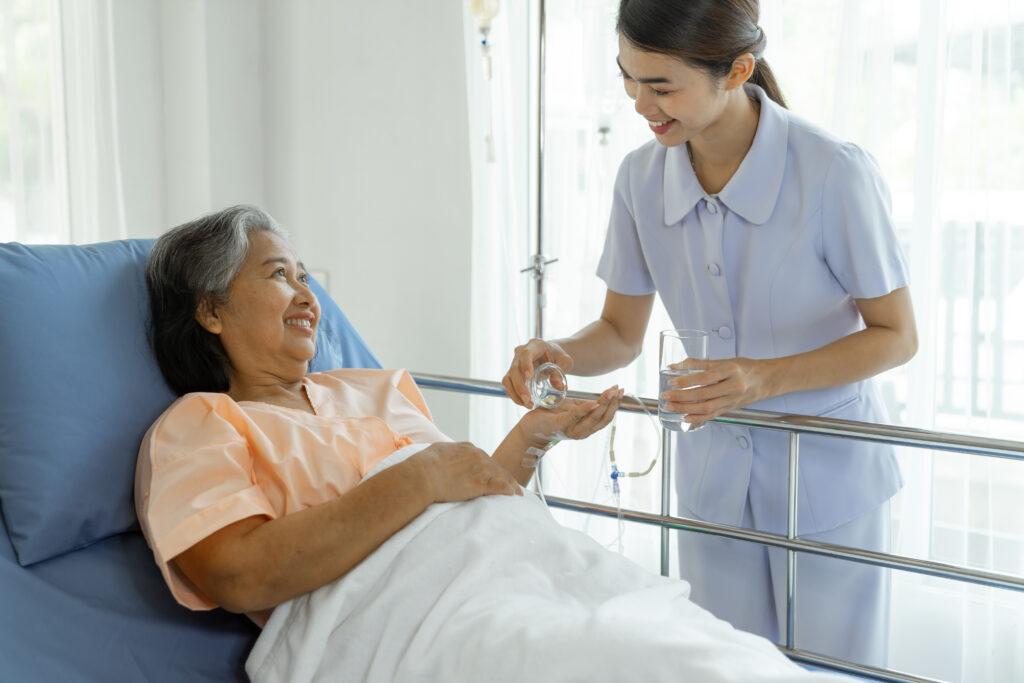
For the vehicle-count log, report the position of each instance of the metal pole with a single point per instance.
(538, 323)
(666, 494)
(872, 673)
(538, 259)
(940, 570)
(803, 424)
(791, 533)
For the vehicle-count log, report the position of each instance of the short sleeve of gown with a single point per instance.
(194, 477)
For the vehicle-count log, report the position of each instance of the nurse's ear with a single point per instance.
(207, 316)
(743, 68)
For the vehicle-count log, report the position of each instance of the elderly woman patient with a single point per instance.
(248, 487)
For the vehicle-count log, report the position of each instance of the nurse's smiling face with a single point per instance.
(679, 101)
(268, 325)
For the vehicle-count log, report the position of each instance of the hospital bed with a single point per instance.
(80, 595)
(795, 425)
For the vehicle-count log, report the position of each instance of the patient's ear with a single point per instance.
(207, 317)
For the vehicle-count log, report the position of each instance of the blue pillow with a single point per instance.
(81, 387)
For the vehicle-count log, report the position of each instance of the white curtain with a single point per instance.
(501, 220)
(95, 189)
(934, 89)
(33, 170)
(62, 181)
(120, 118)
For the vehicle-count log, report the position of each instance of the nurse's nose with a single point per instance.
(644, 102)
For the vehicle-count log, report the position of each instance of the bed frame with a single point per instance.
(795, 425)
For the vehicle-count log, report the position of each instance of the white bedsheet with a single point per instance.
(495, 590)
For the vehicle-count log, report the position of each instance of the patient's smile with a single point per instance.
(303, 323)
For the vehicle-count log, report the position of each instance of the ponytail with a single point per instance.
(765, 78)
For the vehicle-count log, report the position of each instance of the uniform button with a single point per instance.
(725, 332)
(743, 441)
(712, 207)
(714, 269)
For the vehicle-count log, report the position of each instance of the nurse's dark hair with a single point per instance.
(707, 34)
(193, 265)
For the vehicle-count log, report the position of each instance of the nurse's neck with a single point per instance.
(719, 149)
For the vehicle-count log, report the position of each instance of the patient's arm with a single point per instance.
(572, 420)
(256, 563)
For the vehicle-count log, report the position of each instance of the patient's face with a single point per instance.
(268, 327)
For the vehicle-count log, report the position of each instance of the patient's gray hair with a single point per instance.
(192, 264)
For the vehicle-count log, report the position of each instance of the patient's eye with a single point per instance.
(304, 278)
(280, 271)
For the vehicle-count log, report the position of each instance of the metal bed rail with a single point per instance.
(795, 425)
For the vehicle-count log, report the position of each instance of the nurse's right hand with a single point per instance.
(528, 356)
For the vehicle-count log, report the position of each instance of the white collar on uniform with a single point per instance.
(754, 189)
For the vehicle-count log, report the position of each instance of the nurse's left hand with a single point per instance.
(720, 386)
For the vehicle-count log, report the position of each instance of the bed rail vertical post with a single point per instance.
(791, 534)
(666, 494)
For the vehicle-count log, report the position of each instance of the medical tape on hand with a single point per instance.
(535, 455)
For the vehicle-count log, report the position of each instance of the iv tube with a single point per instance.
(484, 11)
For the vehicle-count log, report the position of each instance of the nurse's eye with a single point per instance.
(660, 93)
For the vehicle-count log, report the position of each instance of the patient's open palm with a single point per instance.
(574, 419)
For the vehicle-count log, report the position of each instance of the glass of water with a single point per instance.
(548, 386)
(675, 347)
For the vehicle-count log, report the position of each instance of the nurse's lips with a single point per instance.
(662, 126)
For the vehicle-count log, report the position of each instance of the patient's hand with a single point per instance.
(574, 418)
(454, 472)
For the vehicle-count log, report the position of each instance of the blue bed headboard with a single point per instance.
(80, 388)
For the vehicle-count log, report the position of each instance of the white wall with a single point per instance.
(347, 120)
(189, 85)
(367, 163)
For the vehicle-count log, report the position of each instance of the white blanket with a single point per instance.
(496, 590)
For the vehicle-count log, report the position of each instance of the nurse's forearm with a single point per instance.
(853, 358)
(598, 349)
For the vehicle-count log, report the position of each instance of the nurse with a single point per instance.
(777, 238)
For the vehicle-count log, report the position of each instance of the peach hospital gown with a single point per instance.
(209, 461)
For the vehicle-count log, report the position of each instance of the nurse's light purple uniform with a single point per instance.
(771, 267)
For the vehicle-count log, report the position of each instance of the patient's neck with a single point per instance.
(268, 388)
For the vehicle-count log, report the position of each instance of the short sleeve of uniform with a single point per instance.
(194, 477)
(623, 266)
(858, 236)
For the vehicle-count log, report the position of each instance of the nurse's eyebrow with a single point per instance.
(640, 80)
